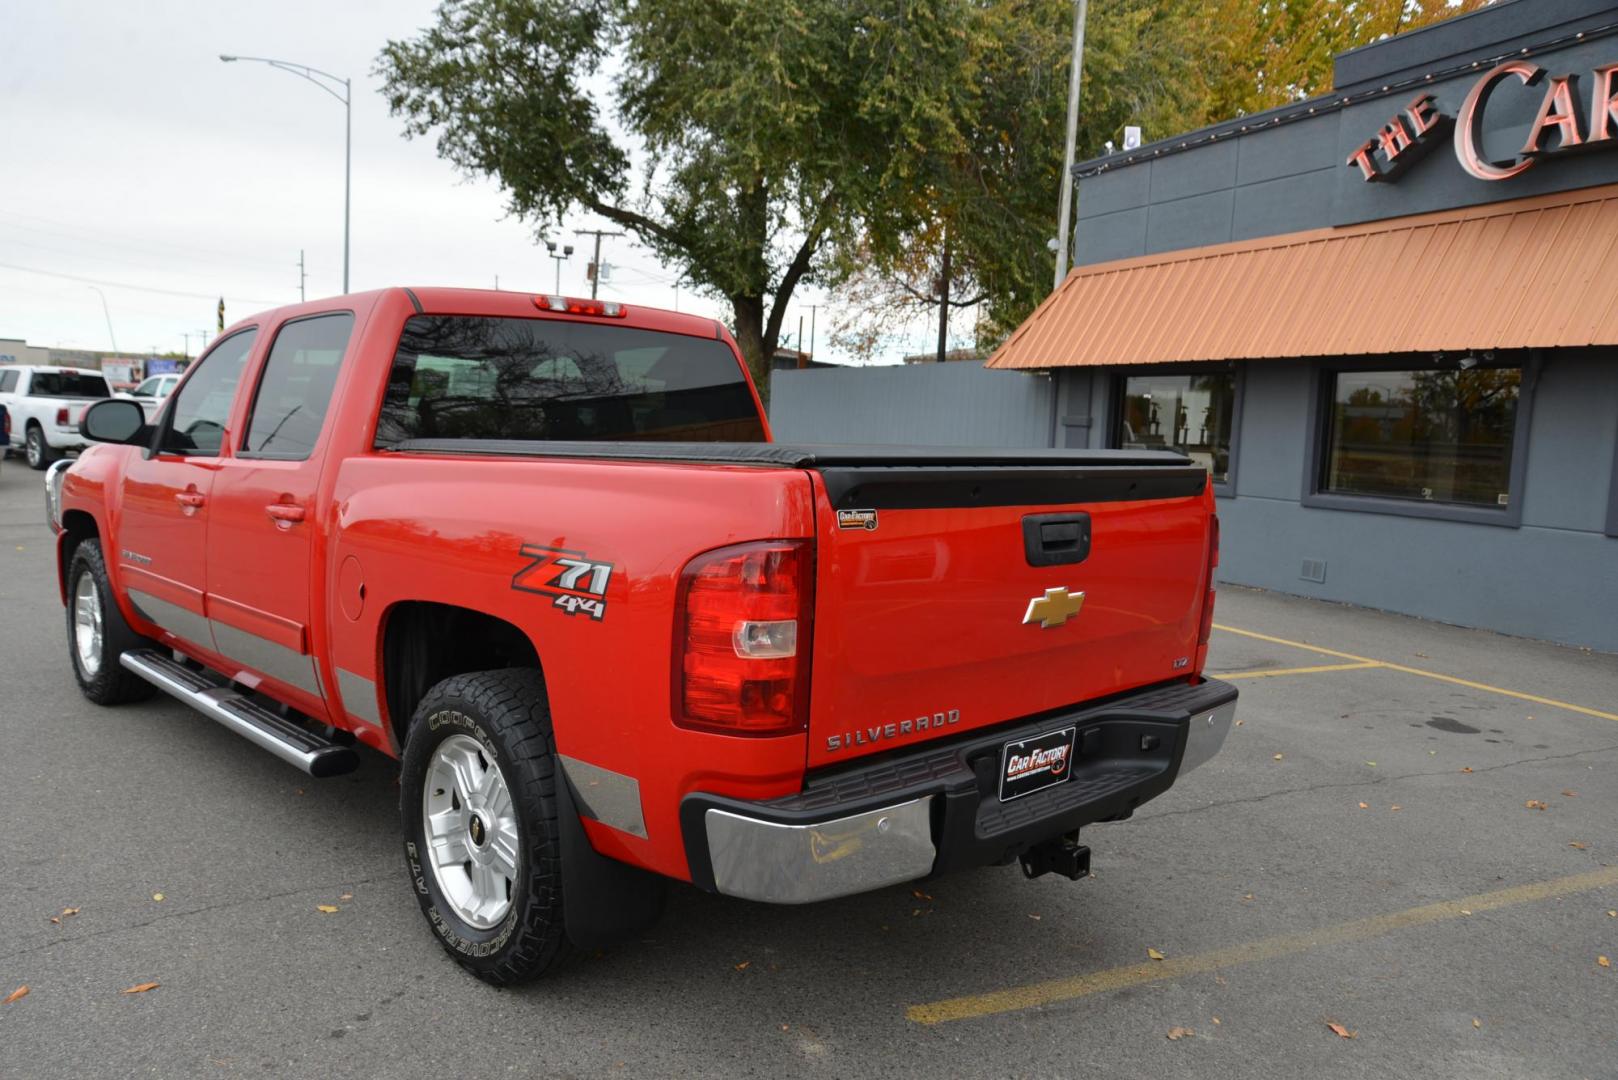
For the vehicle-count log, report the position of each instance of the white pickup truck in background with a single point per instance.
(44, 404)
(152, 393)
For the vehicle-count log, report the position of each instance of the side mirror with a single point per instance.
(115, 420)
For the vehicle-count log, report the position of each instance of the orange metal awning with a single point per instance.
(1531, 272)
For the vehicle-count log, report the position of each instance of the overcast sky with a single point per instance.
(131, 156)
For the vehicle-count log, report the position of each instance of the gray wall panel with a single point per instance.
(1193, 222)
(1289, 204)
(953, 404)
(1111, 236)
(1115, 190)
(1301, 147)
(1208, 168)
(1575, 420)
(1273, 431)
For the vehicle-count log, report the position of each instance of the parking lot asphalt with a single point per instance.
(1412, 834)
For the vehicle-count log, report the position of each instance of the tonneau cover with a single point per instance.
(796, 455)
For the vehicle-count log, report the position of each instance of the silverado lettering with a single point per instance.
(376, 599)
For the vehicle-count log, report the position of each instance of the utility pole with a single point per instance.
(595, 263)
(812, 308)
(1065, 213)
(943, 301)
(302, 277)
(799, 344)
(187, 345)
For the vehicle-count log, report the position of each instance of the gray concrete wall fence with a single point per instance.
(952, 404)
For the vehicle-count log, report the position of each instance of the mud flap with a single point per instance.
(604, 901)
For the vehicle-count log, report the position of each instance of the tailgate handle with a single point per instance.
(1056, 539)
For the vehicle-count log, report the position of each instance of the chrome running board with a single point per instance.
(286, 740)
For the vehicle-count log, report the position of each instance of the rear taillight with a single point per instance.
(742, 633)
(1208, 601)
(61, 417)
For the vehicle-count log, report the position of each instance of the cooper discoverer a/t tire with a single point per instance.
(97, 634)
(478, 804)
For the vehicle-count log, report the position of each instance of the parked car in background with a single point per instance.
(152, 393)
(5, 432)
(44, 404)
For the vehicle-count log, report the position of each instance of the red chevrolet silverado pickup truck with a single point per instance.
(543, 551)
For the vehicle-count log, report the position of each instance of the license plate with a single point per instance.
(1031, 765)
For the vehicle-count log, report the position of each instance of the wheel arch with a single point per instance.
(77, 527)
(424, 642)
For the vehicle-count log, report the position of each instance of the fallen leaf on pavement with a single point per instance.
(1216, 1019)
(1177, 1033)
(1424, 656)
(1465, 912)
(1476, 1022)
(1603, 961)
(919, 895)
(16, 995)
(158, 897)
(68, 911)
(1612, 914)
(141, 988)
(1576, 844)
(1154, 954)
(1278, 757)
(56, 920)
(1467, 769)
(1341, 1031)
(744, 965)
(1246, 897)
(1034, 917)
(1535, 804)
(1372, 764)
(1365, 806)
(1395, 808)
(346, 896)
(326, 909)
(1240, 722)
(1570, 793)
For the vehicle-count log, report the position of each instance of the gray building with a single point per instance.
(1386, 319)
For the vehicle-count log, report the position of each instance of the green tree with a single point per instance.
(748, 139)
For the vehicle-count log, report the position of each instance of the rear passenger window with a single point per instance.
(296, 388)
(8, 381)
(198, 410)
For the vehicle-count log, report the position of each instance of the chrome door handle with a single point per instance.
(192, 499)
(284, 513)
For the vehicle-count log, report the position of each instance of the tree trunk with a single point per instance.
(750, 338)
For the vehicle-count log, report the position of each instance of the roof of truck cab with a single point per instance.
(496, 303)
(436, 300)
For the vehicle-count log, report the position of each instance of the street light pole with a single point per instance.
(108, 313)
(304, 71)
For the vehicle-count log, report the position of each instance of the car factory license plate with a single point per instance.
(1034, 764)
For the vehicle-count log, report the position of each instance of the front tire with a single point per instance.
(97, 634)
(39, 452)
(479, 809)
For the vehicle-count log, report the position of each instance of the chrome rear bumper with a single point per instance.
(797, 864)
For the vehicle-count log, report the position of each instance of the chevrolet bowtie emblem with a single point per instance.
(1056, 607)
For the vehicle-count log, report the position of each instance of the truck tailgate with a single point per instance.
(926, 574)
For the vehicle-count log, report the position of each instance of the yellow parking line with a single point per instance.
(1519, 695)
(1295, 670)
(1057, 990)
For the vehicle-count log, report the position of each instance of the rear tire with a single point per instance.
(479, 764)
(39, 452)
(97, 635)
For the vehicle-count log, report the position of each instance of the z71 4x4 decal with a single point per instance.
(573, 582)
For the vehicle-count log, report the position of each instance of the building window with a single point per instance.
(1432, 436)
(1191, 413)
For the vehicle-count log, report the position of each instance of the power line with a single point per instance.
(137, 288)
(73, 232)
